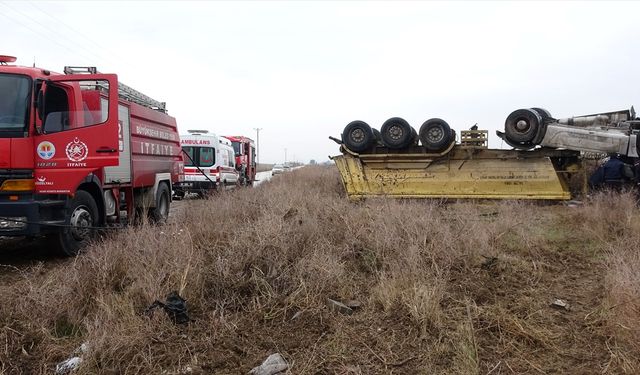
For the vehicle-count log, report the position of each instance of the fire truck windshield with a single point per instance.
(237, 148)
(15, 92)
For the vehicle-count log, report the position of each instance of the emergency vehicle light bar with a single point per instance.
(80, 70)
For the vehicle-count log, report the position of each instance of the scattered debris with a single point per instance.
(489, 262)
(573, 203)
(68, 366)
(353, 304)
(184, 371)
(340, 307)
(296, 315)
(175, 307)
(560, 304)
(84, 348)
(489, 214)
(274, 364)
(290, 213)
(71, 364)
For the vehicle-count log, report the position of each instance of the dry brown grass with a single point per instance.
(613, 222)
(460, 287)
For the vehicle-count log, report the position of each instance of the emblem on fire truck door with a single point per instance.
(46, 150)
(77, 150)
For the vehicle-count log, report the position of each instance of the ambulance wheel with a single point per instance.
(160, 213)
(396, 133)
(81, 215)
(522, 125)
(358, 136)
(435, 134)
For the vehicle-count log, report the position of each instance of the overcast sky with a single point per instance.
(302, 70)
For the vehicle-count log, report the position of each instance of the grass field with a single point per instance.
(445, 288)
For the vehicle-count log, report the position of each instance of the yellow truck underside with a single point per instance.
(459, 172)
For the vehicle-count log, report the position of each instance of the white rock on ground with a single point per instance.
(66, 367)
(69, 365)
(274, 364)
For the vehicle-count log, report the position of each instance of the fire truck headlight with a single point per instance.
(18, 185)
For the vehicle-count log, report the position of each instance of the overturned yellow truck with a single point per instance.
(545, 164)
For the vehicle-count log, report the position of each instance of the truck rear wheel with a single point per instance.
(522, 126)
(82, 216)
(358, 136)
(435, 134)
(396, 133)
(160, 213)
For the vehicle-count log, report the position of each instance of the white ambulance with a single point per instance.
(209, 163)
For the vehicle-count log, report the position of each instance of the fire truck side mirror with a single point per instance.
(40, 110)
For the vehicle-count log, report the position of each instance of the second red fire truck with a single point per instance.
(245, 151)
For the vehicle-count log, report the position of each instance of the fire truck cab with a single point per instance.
(78, 151)
(209, 163)
(245, 153)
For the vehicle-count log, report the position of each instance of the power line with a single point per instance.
(38, 33)
(51, 30)
(75, 31)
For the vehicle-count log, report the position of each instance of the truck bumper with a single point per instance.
(194, 186)
(30, 217)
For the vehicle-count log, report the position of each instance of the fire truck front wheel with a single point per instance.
(82, 215)
(160, 213)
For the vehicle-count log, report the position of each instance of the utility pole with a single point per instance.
(258, 150)
(285, 156)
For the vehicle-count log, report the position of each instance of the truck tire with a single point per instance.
(82, 212)
(522, 126)
(396, 133)
(160, 213)
(358, 136)
(546, 115)
(435, 134)
(546, 119)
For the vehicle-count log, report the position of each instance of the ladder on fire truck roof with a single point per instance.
(125, 92)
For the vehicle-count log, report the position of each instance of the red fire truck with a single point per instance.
(80, 151)
(245, 151)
